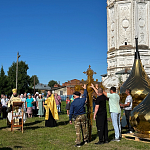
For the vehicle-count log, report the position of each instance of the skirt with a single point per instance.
(68, 106)
(29, 110)
(51, 122)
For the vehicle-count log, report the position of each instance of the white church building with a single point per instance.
(126, 19)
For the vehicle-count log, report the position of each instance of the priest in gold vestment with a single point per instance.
(51, 114)
(13, 98)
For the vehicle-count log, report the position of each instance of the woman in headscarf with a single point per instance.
(29, 104)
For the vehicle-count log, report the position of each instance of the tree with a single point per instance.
(32, 80)
(3, 82)
(23, 78)
(51, 83)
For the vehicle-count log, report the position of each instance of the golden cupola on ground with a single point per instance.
(140, 118)
(138, 81)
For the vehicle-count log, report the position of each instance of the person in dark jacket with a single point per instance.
(100, 115)
(78, 110)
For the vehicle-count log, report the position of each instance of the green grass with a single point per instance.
(62, 137)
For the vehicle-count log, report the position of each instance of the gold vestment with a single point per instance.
(13, 99)
(10, 102)
(51, 104)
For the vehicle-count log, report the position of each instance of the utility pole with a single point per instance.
(34, 84)
(17, 69)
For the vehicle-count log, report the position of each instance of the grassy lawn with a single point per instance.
(62, 137)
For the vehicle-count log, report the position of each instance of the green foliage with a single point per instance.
(30, 90)
(32, 80)
(23, 78)
(3, 82)
(51, 83)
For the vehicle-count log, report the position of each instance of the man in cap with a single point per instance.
(78, 110)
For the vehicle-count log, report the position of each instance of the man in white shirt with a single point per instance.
(128, 108)
(115, 111)
(4, 107)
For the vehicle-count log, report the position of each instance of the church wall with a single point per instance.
(125, 20)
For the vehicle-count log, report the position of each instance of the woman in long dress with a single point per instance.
(51, 114)
(40, 104)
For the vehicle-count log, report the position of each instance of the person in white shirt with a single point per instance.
(128, 108)
(4, 107)
(115, 111)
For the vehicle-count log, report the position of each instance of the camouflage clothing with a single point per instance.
(80, 126)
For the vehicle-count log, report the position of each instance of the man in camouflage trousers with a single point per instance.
(78, 110)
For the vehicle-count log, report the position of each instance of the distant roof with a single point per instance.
(41, 86)
(56, 88)
(104, 75)
(124, 71)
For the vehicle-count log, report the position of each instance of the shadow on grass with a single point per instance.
(27, 125)
(33, 127)
(32, 123)
(18, 147)
(123, 131)
(63, 112)
(6, 148)
(94, 136)
(62, 123)
(111, 136)
(3, 127)
(110, 130)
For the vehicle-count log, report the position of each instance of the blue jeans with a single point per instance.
(116, 123)
(58, 108)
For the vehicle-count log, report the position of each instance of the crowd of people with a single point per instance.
(50, 106)
(33, 104)
(77, 109)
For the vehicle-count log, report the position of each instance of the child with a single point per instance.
(68, 105)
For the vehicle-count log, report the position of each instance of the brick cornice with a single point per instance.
(125, 55)
(128, 47)
(120, 67)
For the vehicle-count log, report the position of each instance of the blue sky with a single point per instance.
(58, 39)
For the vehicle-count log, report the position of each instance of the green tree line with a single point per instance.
(25, 82)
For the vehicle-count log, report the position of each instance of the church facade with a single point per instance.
(126, 19)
